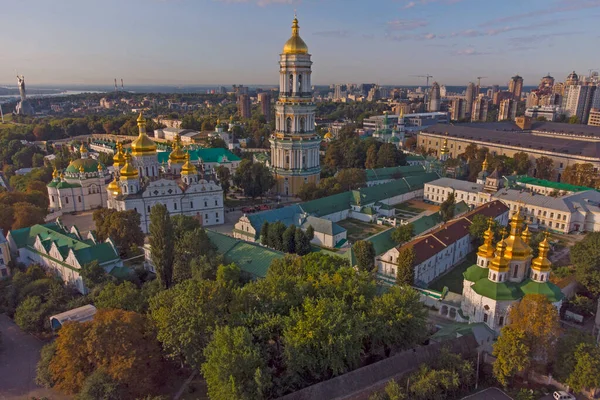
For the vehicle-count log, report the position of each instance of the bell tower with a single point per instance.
(295, 144)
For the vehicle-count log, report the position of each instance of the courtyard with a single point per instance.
(359, 230)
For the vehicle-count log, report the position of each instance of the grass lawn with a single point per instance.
(358, 230)
(408, 206)
(454, 278)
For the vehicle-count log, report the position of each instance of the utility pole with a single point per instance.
(477, 371)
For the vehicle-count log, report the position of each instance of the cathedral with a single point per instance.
(80, 187)
(504, 274)
(295, 144)
(141, 181)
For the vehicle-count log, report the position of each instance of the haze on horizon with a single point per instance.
(204, 42)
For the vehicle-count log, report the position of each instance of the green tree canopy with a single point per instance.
(403, 233)
(585, 256)
(365, 255)
(405, 275)
(161, 244)
(447, 207)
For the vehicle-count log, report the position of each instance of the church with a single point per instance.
(295, 144)
(141, 181)
(504, 274)
(80, 187)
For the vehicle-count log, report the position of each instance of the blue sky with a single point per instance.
(238, 41)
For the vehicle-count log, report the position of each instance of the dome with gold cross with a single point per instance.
(188, 168)
(114, 188)
(516, 248)
(541, 263)
(486, 250)
(119, 157)
(142, 145)
(177, 156)
(128, 171)
(295, 44)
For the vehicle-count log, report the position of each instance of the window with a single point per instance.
(217, 215)
(562, 226)
(148, 208)
(206, 204)
(79, 198)
(551, 215)
(206, 217)
(561, 165)
(191, 204)
(500, 321)
(67, 200)
(494, 277)
(174, 206)
(565, 217)
(516, 271)
(535, 276)
(544, 213)
(459, 147)
(216, 202)
(485, 317)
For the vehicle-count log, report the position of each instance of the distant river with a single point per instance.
(65, 93)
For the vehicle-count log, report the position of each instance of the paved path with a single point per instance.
(19, 355)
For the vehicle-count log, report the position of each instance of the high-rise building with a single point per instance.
(295, 144)
(546, 82)
(240, 89)
(265, 104)
(499, 96)
(572, 79)
(480, 109)
(495, 89)
(443, 91)
(244, 106)
(508, 110)
(222, 90)
(515, 86)
(578, 100)
(434, 97)
(470, 96)
(458, 109)
(594, 119)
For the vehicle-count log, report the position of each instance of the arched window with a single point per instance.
(148, 208)
(175, 206)
(300, 83)
(291, 83)
(535, 276)
(494, 277)
(302, 123)
(288, 125)
(516, 271)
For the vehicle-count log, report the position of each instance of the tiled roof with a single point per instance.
(251, 258)
(424, 247)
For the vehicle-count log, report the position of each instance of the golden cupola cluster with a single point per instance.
(500, 263)
(188, 168)
(295, 44)
(541, 263)
(128, 171)
(445, 149)
(119, 157)
(177, 156)
(142, 145)
(516, 248)
(486, 250)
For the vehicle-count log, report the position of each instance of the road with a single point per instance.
(19, 355)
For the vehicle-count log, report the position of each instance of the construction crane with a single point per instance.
(479, 78)
(427, 76)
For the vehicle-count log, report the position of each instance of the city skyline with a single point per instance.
(227, 41)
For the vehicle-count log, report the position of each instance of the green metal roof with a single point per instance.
(207, 155)
(548, 289)
(251, 258)
(328, 205)
(475, 273)
(394, 188)
(552, 185)
(383, 241)
(394, 172)
(67, 185)
(89, 165)
(497, 290)
(121, 272)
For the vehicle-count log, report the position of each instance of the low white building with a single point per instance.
(471, 193)
(440, 250)
(63, 251)
(80, 187)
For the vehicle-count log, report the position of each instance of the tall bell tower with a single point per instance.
(295, 144)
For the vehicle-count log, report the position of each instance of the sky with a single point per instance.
(386, 42)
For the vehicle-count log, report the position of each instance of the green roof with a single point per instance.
(89, 165)
(251, 258)
(497, 290)
(394, 172)
(527, 180)
(394, 188)
(426, 222)
(66, 185)
(415, 158)
(383, 241)
(548, 289)
(121, 272)
(207, 155)
(328, 205)
(53, 233)
(368, 211)
(452, 331)
(475, 273)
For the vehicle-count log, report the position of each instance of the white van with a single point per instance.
(562, 395)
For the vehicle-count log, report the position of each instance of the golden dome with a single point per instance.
(445, 148)
(113, 187)
(526, 235)
(62, 176)
(295, 44)
(142, 145)
(486, 250)
(485, 164)
(119, 157)
(542, 263)
(81, 168)
(100, 167)
(328, 135)
(82, 149)
(177, 156)
(188, 168)
(128, 171)
(500, 263)
(516, 247)
(54, 173)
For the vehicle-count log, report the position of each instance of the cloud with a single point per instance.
(519, 40)
(260, 3)
(410, 4)
(560, 7)
(504, 29)
(336, 33)
(469, 52)
(414, 3)
(406, 24)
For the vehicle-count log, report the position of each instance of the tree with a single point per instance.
(224, 177)
(123, 227)
(544, 167)
(351, 178)
(585, 256)
(185, 317)
(276, 231)
(390, 316)
(43, 376)
(93, 274)
(289, 240)
(539, 320)
(264, 234)
(310, 232)
(190, 246)
(371, 161)
(365, 255)
(522, 163)
(131, 358)
(26, 214)
(255, 179)
(386, 156)
(573, 119)
(586, 374)
(580, 174)
(512, 354)
(125, 296)
(405, 274)
(302, 242)
(447, 208)
(564, 364)
(403, 233)
(100, 385)
(30, 314)
(234, 367)
(161, 244)
(480, 225)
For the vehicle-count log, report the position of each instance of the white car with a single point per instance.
(562, 395)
